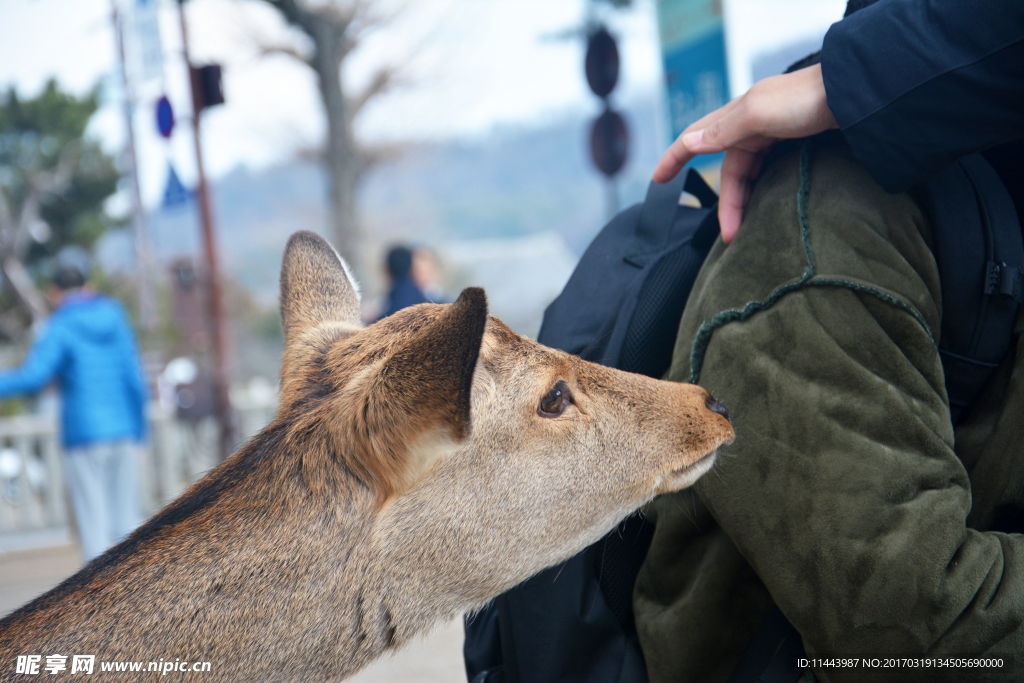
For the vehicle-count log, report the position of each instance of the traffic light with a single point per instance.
(206, 86)
(609, 137)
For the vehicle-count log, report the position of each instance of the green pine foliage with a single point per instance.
(42, 138)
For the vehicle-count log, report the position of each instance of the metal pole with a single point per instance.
(611, 196)
(147, 305)
(222, 401)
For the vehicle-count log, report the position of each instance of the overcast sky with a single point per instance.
(470, 65)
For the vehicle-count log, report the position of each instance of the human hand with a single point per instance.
(792, 105)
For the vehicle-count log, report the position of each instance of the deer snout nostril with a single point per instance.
(716, 407)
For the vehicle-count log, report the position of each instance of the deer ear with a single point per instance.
(420, 392)
(316, 286)
(432, 371)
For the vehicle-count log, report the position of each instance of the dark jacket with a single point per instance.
(917, 84)
(403, 293)
(848, 499)
(88, 347)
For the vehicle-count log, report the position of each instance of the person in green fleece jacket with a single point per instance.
(849, 499)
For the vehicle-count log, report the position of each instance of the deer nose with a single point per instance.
(716, 407)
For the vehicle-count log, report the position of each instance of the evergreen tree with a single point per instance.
(53, 184)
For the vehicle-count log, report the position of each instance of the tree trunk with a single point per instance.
(342, 157)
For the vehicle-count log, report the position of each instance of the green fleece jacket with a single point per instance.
(846, 499)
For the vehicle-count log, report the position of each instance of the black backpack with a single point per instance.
(622, 307)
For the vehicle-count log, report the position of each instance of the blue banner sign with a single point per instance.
(692, 36)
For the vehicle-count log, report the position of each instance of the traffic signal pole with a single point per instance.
(143, 264)
(215, 297)
(609, 136)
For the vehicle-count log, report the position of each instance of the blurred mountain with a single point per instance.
(535, 189)
(777, 61)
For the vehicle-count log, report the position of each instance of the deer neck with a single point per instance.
(254, 572)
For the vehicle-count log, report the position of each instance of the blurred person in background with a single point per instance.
(88, 348)
(403, 291)
(425, 275)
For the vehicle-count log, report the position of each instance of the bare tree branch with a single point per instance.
(6, 220)
(295, 14)
(11, 325)
(331, 17)
(18, 238)
(267, 50)
(40, 184)
(59, 179)
(373, 155)
(24, 287)
(342, 17)
(363, 16)
(383, 80)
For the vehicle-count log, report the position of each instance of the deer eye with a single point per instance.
(555, 401)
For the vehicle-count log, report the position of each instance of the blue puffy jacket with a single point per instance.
(89, 349)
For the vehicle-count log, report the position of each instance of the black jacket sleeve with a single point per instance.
(917, 84)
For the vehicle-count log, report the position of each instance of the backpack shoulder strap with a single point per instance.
(658, 214)
(647, 321)
(979, 252)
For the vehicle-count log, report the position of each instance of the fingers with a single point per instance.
(731, 130)
(718, 131)
(792, 105)
(681, 152)
(739, 169)
(672, 161)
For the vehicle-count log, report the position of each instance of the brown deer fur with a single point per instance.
(408, 476)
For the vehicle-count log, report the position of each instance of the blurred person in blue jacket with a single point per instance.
(426, 274)
(404, 292)
(87, 347)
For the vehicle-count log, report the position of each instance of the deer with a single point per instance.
(415, 469)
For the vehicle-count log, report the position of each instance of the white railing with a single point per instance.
(31, 476)
(178, 453)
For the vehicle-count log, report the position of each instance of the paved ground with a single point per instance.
(436, 658)
(27, 573)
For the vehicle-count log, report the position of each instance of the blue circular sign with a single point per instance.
(164, 116)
